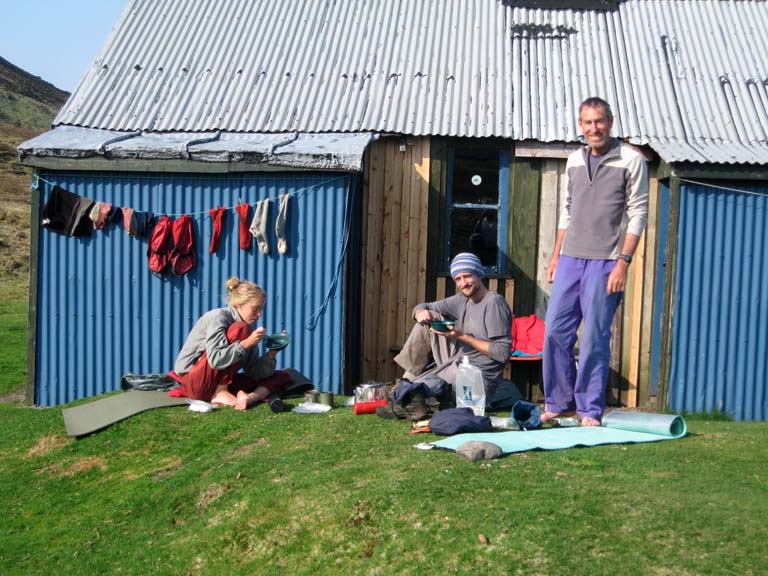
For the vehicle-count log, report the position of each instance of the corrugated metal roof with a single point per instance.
(689, 77)
(292, 150)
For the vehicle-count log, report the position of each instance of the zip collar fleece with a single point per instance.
(598, 212)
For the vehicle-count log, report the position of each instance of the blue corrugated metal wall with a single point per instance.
(720, 321)
(102, 313)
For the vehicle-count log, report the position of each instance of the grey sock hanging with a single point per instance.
(259, 225)
(282, 213)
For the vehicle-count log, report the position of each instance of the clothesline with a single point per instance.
(295, 193)
(159, 256)
(722, 187)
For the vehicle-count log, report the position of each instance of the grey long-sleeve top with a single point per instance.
(209, 335)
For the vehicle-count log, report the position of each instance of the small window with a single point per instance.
(478, 186)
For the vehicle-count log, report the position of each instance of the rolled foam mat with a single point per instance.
(617, 428)
(87, 418)
(670, 425)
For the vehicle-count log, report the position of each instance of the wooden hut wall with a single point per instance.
(394, 265)
(394, 248)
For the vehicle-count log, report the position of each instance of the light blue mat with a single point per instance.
(617, 428)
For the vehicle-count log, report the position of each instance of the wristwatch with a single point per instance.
(626, 257)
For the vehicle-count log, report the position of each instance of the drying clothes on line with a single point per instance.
(141, 223)
(100, 214)
(280, 224)
(127, 217)
(259, 225)
(217, 220)
(183, 256)
(160, 245)
(245, 236)
(67, 213)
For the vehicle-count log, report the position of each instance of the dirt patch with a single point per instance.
(79, 466)
(212, 493)
(48, 444)
(248, 448)
(15, 397)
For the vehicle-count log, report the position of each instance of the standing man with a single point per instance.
(603, 214)
(482, 332)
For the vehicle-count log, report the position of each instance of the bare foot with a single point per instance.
(223, 397)
(242, 401)
(589, 421)
(221, 400)
(247, 400)
(547, 416)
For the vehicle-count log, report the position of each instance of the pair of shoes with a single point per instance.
(391, 411)
(276, 403)
(416, 407)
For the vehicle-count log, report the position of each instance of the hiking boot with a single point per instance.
(448, 399)
(416, 407)
(276, 404)
(391, 411)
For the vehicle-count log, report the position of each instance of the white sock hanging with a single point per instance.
(282, 213)
(259, 225)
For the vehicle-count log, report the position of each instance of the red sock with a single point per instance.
(217, 217)
(245, 234)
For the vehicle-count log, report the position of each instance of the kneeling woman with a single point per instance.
(220, 343)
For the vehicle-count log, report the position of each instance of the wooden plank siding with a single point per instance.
(649, 281)
(404, 201)
(396, 199)
(523, 221)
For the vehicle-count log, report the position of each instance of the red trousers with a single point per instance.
(201, 382)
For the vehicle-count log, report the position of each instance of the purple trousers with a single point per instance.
(579, 293)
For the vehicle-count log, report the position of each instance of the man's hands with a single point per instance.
(424, 316)
(617, 279)
(552, 267)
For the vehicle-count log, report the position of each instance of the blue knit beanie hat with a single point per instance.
(466, 262)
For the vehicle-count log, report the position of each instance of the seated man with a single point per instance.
(430, 358)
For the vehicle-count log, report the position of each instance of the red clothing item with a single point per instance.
(201, 382)
(245, 234)
(528, 334)
(217, 219)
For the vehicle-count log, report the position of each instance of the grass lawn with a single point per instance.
(173, 492)
(13, 335)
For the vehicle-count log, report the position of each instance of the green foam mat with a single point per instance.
(93, 416)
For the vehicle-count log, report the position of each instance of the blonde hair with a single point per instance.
(243, 291)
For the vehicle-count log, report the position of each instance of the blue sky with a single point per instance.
(57, 39)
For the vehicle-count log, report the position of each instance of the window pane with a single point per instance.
(475, 231)
(475, 176)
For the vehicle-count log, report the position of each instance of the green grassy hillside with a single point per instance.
(27, 101)
(28, 105)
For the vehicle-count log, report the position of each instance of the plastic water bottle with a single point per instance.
(470, 388)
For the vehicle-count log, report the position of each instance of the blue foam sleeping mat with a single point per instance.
(618, 428)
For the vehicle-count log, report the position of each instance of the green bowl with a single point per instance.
(442, 325)
(277, 341)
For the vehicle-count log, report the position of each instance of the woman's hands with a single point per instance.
(255, 337)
